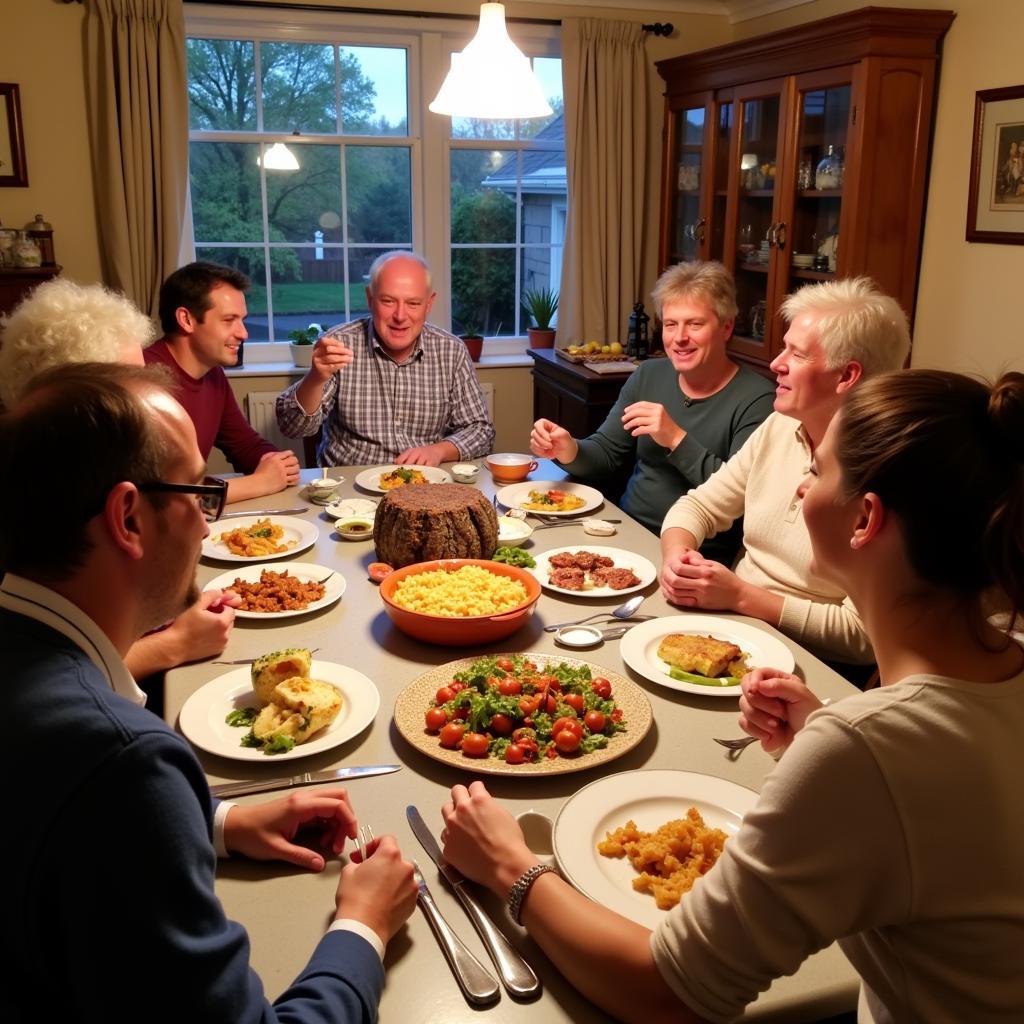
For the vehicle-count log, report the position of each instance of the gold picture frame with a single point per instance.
(13, 171)
(995, 203)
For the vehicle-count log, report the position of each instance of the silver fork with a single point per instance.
(363, 839)
(737, 744)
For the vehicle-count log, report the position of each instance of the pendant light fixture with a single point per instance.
(491, 78)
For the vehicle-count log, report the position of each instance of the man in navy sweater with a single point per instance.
(110, 912)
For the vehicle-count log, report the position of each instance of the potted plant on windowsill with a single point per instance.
(541, 304)
(302, 341)
(473, 338)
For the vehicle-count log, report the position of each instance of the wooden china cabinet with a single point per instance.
(747, 128)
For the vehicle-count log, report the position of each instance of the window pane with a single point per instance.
(225, 182)
(250, 262)
(483, 291)
(543, 185)
(303, 202)
(221, 84)
(307, 286)
(549, 71)
(483, 187)
(541, 270)
(379, 189)
(298, 87)
(374, 91)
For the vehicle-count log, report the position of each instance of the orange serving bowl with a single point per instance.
(469, 630)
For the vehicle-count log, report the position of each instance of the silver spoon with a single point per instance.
(624, 611)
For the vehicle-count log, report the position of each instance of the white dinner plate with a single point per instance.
(639, 649)
(623, 559)
(202, 717)
(334, 587)
(369, 479)
(514, 495)
(650, 798)
(298, 535)
(346, 507)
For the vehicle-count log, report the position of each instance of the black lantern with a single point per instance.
(636, 342)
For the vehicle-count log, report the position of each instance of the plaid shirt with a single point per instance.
(374, 408)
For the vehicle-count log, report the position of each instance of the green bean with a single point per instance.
(693, 677)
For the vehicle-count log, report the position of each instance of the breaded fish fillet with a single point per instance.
(702, 654)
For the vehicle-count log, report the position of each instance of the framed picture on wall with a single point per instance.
(995, 205)
(12, 140)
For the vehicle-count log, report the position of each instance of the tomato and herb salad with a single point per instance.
(512, 709)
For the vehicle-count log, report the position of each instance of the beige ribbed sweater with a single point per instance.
(759, 483)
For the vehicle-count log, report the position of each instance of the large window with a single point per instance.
(348, 105)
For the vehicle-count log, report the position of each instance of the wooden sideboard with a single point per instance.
(17, 282)
(571, 395)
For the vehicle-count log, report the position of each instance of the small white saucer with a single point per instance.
(579, 636)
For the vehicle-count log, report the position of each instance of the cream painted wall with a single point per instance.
(966, 316)
(41, 49)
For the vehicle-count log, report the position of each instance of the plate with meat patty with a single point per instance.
(707, 652)
(593, 571)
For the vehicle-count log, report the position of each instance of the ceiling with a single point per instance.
(734, 10)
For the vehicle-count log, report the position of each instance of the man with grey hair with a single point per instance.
(390, 387)
(840, 332)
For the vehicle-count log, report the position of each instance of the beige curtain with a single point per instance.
(605, 84)
(138, 122)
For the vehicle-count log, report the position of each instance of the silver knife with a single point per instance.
(306, 779)
(516, 974)
(267, 512)
(474, 979)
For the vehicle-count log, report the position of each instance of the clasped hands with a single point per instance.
(693, 581)
(774, 706)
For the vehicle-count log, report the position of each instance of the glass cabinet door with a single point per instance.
(689, 222)
(761, 125)
(720, 184)
(814, 243)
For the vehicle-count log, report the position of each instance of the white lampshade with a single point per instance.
(748, 161)
(279, 158)
(491, 78)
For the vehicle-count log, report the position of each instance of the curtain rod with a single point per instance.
(658, 28)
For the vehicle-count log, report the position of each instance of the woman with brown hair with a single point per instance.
(894, 821)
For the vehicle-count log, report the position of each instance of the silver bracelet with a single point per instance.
(522, 886)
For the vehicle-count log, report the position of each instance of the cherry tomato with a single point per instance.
(550, 682)
(461, 714)
(444, 694)
(436, 718)
(617, 715)
(451, 735)
(529, 666)
(574, 700)
(514, 754)
(567, 741)
(523, 734)
(567, 725)
(529, 704)
(494, 681)
(378, 570)
(594, 721)
(504, 664)
(551, 752)
(456, 687)
(501, 725)
(510, 687)
(549, 704)
(601, 687)
(474, 744)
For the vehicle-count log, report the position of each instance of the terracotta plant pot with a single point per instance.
(541, 338)
(475, 345)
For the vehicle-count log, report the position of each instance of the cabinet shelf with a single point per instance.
(820, 193)
(756, 268)
(812, 275)
(758, 193)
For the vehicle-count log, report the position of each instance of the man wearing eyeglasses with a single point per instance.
(202, 313)
(110, 911)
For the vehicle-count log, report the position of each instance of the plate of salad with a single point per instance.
(522, 714)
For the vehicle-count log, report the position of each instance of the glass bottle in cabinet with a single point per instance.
(690, 223)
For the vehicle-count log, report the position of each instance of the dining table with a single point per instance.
(285, 910)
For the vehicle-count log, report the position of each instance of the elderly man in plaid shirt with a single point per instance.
(390, 387)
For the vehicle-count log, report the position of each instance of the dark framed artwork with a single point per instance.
(12, 139)
(995, 205)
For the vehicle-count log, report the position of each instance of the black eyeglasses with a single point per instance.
(212, 492)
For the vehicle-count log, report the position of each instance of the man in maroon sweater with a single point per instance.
(202, 309)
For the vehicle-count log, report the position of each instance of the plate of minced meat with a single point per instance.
(593, 571)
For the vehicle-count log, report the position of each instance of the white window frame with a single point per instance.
(429, 45)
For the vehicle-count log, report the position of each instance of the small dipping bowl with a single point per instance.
(465, 472)
(513, 533)
(537, 831)
(355, 528)
(578, 636)
(322, 489)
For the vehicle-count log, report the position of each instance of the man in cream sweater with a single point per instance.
(840, 332)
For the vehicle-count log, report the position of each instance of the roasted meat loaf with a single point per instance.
(419, 524)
